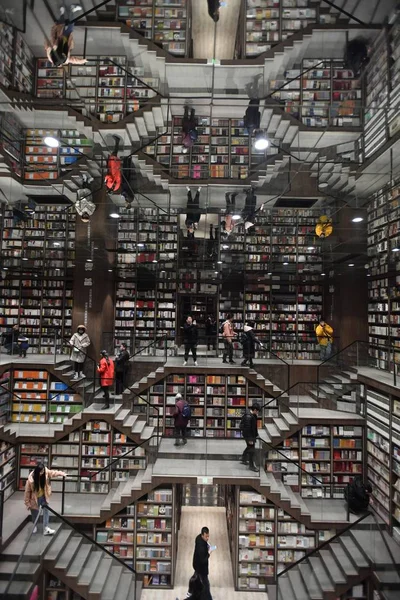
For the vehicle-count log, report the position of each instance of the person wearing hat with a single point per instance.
(79, 342)
(249, 342)
(248, 427)
(106, 370)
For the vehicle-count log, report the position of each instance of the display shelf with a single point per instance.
(165, 22)
(23, 66)
(41, 161)
(50, 80)
(5, 397)
(11, 136)
(7, 469)
(55, 589)
(30, 396)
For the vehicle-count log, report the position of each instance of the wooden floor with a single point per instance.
(204, 29)
(221, 579)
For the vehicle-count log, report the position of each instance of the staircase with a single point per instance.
(72, 558)
(360, 552)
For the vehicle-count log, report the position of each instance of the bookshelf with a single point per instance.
(7, 469)
(55, 589)
(29, 456)
(5, 397)
(11, 140)
(30, 387)
(143, 535)
(163, 21)
(50, 80)
(36, 290)
(16, 60)
(6, 53)
(41, 161)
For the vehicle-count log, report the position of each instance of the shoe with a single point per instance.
(243, 462)
(254, 469)
(185, 363)
(244, 363)
(251, 365)
(105, 407)
(224, 361)
(195, 363)
(188, 188)
(49, 531)
(184, 441)
(75, 376)
(34, 530)
(199, 188)
(232, 362)
(75, 7)
(82, 376)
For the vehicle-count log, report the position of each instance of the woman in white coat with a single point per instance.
(79, 342)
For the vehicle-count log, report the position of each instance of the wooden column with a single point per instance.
(94, 288)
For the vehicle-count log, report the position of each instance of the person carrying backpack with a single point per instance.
(249, 341)
(357, 495)
(248, 427)
(181, 416)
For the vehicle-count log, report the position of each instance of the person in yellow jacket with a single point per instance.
(324, 333)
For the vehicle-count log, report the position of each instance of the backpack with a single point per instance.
(186, 411)
(242, 420)
(221, 327)
(243, 338)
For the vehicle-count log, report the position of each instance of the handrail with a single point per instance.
(141, 348)
(22, 553)
(318, 548)
(91, 540)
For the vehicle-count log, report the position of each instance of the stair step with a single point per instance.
(352, 549)
(122, 415)
(108, 499)
(103, 571)
(123, 586)
(26, 570)
(285, 589)
(69, 552)
(331, 566)
(18, 589)
(79, 561)
(90, 569)
(147, 433)
(305, 511)
(130, 421)
(313, 588)
(281, 424)
(294, 500)
(272, 430)
(59, 542)
(342, 559)
(264, 436)
(138, 426)
(289, 418)
(283, 490)
(272, 592)
(297, 585)
(108, 592)
(320, 574)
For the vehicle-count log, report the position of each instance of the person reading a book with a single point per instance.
(201, 555)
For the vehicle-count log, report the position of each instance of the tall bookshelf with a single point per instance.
(144, 536)
(16, 60)
(165, 22)
(11, 140)
(7, 469)
(36, 290)
(55, 589)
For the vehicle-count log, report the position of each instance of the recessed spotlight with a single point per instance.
(57, 244)
(261, 142)
(357, 219)
(236, 217)
(110, 270)
(395, 249)
(351, 265)
(285, 263)
(323, 274)
(89, 260)
(219, 262)
(216, 272)
(368, 275)
(225, 246)
(114, 215)
(311, 248)
(5, 268)
(140, 245)
(57, 269)
(269, 273)
(162, 271)
(323, 185)
(24, 258)
(51, 141)
(155, 260)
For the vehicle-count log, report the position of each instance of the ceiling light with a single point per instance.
(24, 258)
(225, 246)
(351, 264)
(236, 217)
(89, 260)
(216, 272)
(140, 245)
(323, 184)
(51, 141)
(5, 268)
(323, 274)
(57, 244)
(311, 248)
(357, 219)
(368, 275)
(396, 250)
(57, 269)
(114, 215)
(269, 273)
(110, 270)
(219, 262)
(261, 142)
(285, 263)
(155, 260)
(162, 271)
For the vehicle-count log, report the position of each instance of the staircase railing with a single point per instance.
(109, 344)
(61, 522)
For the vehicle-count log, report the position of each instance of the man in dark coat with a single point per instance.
(248, 427)
(357, 495)
(252, 117)
(190, 337)
(249, 342)
(121, 367)
(213, 9)
(181, 422)
(200, 560)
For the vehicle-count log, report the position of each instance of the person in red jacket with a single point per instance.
(106, 370)
(181, 422)
(113, 179)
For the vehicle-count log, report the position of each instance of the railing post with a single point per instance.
(63, 495)
(1, 512)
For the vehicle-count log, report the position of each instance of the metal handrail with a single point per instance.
(315, 550)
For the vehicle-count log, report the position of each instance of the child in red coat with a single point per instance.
(113, 178)
(106, 370)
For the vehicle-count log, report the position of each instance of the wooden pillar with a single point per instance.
(94, 288)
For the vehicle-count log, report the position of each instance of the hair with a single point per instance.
(229, 316)
(124, 345)
(39, 481)
(321, 320)
(255, 406)
(104, 354)
(204, 530)
(85, 218)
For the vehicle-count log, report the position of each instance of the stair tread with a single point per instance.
(24, 568)
(343, 559)
(272, 430)
(69, 552)
(138, 426)
(264, 435)
(332, 566)
(290, 418)
(285, 589)
(90, 568)
(357, 556)
(122, 414)
(375, 546)
(297, 585)
(147, 432)
(320, 574)
(130, 421)
(281, 424)
(124, 585)
(58, 544)
(108, 591)
(103, 570)
(313, 588)
(79, 561)
(22, 588)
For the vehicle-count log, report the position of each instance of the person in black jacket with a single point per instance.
(252, 117)
(213, 10)
(357, 495)
(190, 337)
(248, 427)
(249, 342)
(121, 367)
(200, 560)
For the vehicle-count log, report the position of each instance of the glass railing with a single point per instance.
(80, 560)
(358, 550)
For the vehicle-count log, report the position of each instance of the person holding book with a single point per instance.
(201, 555)
(61, 43)
(228, 334)
(38, 492)
(249, 341)
(190, 338)
(23, 342)
(324, 333)
(228, 224)
(106, 370)
(193, 214)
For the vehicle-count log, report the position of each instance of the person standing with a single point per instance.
(252, 117)
(249, 209)
(193, 214)
(213, 10)
(106, 370)
(190, 337)
(211, 331)
(84, 205)
(228, 334)
(201, 557)
(113, 179)
(61, 43)
(23, 342)
(121, 367)
(79, 342)
(248, 427)
(228, 224)
(189, 131)
(249, 342)
(38, 492)
(324, 333)
(181, 417)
